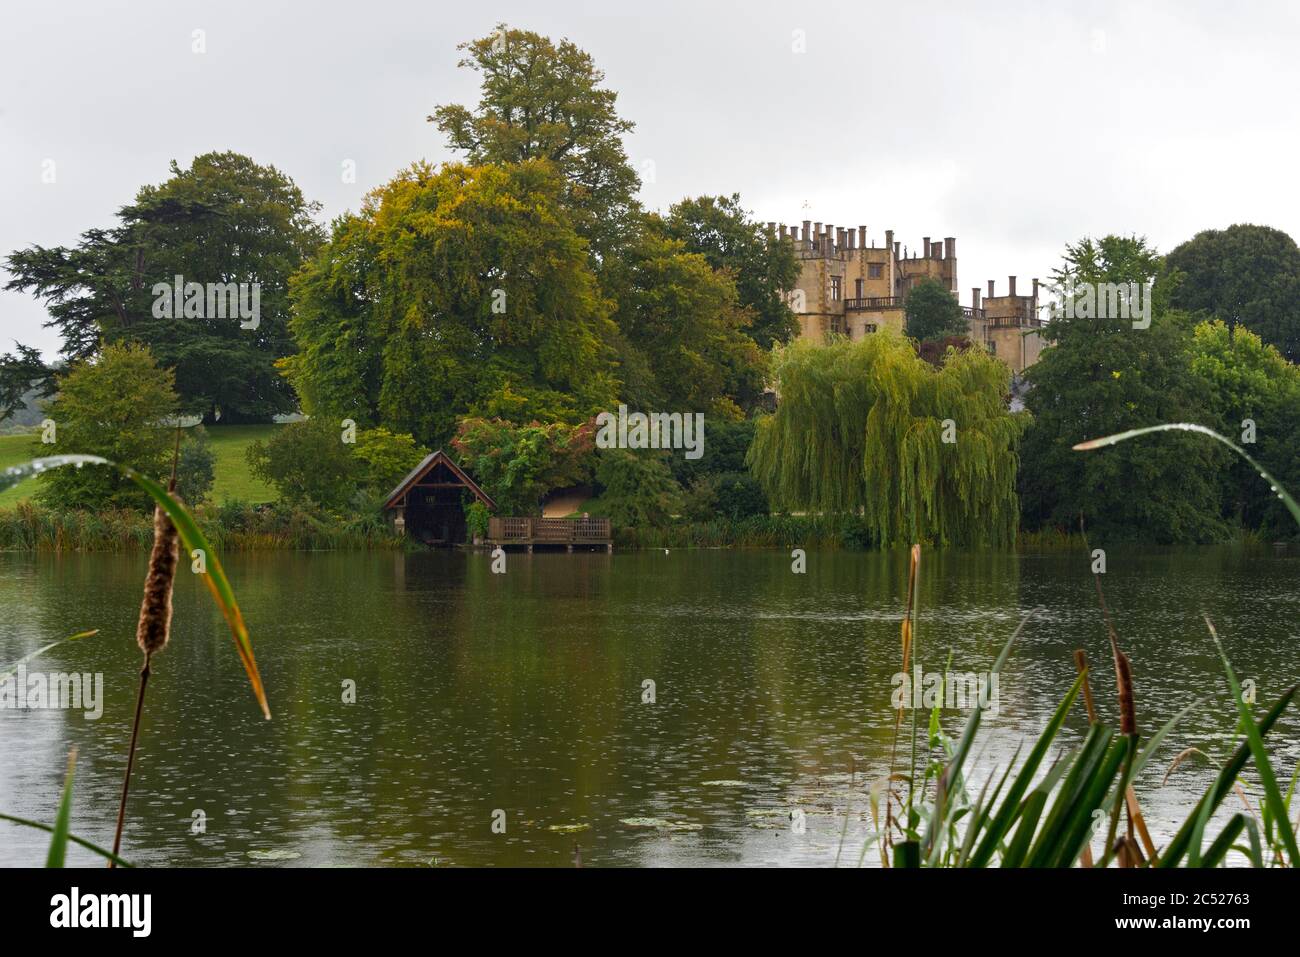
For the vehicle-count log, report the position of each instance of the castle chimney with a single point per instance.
(950, 247)
(896, 250)
(975, 297)
(830, 239)
(848, 239)
(862, 237)
(926, 241)
(889, 242)
(771, 229)
(1035, 289)
(807, 230)
(1011, 285)
(841, 237)
(990, 288)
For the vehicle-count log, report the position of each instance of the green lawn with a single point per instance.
(15, 449)
(228, 444)
(232, 478)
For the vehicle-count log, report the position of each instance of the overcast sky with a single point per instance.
(1016, 127)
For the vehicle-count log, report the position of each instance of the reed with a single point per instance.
(1050, 823)
(173, 527)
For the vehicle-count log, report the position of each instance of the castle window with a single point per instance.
(857, 288)
(875, 270)
(835, 288)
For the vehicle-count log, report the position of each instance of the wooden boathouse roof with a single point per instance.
(431, 461)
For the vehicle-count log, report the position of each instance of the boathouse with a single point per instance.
(429, 504)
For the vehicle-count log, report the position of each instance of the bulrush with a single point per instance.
(155, 625)
(156, 610)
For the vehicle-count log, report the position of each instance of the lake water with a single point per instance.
(523, 693)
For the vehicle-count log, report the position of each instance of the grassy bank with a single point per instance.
(231, 479)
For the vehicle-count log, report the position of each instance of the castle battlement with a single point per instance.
(849, 287)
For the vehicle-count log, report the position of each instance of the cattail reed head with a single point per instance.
(1124, 679)
(156, 609)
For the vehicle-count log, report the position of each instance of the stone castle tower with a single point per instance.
(851, 289)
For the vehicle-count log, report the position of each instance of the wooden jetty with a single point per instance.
(551, 533)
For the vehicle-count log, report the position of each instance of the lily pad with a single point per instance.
(568, 828)
(645, 822)
(274, 855)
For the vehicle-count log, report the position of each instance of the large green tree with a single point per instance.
(932, 312)
(924, 454)
(116, 405)
(687, 317)
(222, 220)
(1245, 275)
(1255, 399)
(545, 100)
(457, 291)
(683, 338)
(763, 267)
(1100, 376)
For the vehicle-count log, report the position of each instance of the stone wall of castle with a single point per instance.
(847, 287)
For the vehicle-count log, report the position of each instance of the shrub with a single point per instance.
(196, 466)
(476, 519)
(637, 487)
(739, 495)
(308, 464)
(110, 406)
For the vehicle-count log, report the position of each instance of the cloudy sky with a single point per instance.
(1016, 127)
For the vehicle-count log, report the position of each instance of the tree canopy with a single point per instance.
(116, 405)
(224, 219)
(1245, 275)
(545, 100)
(683, 342)
(1254, 399)
(868, 426)
(1101, 376)
(763, 267)
(519, 464)
(456, 291)
(933, 312)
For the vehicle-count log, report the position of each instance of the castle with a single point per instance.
(848, 288)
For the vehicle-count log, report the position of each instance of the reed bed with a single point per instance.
(759, 531)
(33, 528)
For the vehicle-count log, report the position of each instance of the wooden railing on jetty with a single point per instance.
(551, 532)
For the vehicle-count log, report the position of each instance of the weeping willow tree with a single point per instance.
(868, 427)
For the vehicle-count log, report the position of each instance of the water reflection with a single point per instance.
(523, 692)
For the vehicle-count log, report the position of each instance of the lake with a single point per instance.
(519, 699)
